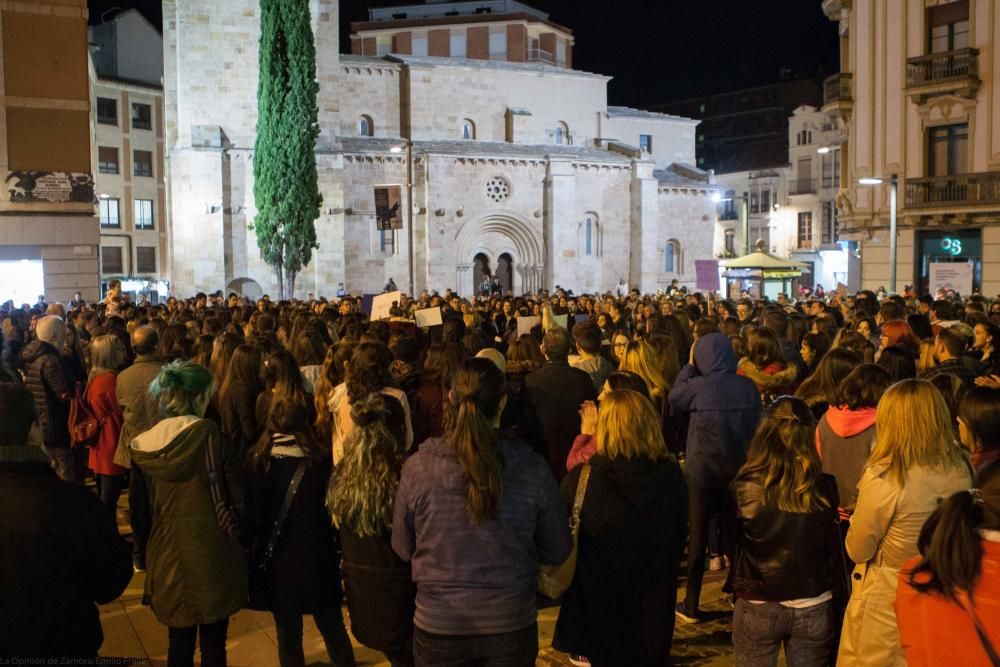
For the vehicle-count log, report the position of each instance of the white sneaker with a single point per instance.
(579, 660)
(716, 563)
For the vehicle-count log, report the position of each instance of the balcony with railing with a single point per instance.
(540, 56)
(953, 191)
(948, 72)
(802, 186)
(837, 92)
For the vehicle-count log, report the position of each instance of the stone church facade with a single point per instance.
(516, 168)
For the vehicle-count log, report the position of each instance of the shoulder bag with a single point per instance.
(261, 584)
(554, 580)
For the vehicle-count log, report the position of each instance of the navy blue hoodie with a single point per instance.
(724, 408)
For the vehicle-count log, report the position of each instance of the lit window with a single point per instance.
(143, 213)
(109, 213)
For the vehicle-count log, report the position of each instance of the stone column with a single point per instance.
(644, 237)
(559, 232)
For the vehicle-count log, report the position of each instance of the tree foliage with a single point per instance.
(285, 189)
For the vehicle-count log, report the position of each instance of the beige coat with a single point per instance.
(883, 536)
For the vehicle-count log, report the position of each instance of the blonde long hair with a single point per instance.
(641, 359)
(784, 455)
(628, 427)
(913, 428)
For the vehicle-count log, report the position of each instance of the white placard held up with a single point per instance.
(951, 275)
(382, 303)
(428, 317)
(526, 324)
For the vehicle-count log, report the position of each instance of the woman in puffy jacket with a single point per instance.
(788, 555)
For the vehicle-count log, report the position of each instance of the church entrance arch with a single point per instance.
(245, 287)
(502, 242)
(481, 272)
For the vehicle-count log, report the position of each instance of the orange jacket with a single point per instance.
(935, 631)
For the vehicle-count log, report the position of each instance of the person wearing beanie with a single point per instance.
(48, 380)
(62, 554)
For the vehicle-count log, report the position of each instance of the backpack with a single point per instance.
(84, 426)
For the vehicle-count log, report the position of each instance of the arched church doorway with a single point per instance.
(245, 287)
(481, 273)
(505, 272)
(507, 244)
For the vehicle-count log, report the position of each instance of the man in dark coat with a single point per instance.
(724, 409)
(62, 554)
(551, 401)
(50, 385)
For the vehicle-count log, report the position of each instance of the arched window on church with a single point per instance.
(672, 257)
(366, 127)
(590, 236)
(468, 129)
(562, 133)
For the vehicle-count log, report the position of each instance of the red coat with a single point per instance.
(935, 631)
(103, 401)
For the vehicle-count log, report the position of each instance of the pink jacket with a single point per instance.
(584, 448)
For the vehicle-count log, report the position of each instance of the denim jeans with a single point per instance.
(759, 630)
(510, 649)
(180, 650)
(329, 622)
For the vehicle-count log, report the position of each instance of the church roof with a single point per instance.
(629, 112)
(438, 61)
(486, 149)
(680, 175)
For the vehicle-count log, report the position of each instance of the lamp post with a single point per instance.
(893, 189)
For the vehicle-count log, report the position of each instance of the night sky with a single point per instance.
(661, 50)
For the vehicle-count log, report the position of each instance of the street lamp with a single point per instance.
(893, 187)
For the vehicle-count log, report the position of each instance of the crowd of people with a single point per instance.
(838, 457)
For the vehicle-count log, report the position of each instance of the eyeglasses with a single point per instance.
(617, 345)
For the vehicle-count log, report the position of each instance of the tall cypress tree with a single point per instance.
(284, 162)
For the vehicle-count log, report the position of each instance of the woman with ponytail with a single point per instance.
(948, 602)
(476, 513)
(380, 593)
(788, 554)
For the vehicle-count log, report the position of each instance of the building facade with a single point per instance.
(745, 130)
(127, 95)
(920, 103)
(48, 231)
(793, 208)
(516, 166)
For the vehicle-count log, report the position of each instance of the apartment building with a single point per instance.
(921, 112)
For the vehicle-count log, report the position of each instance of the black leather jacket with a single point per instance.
(784, 555)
